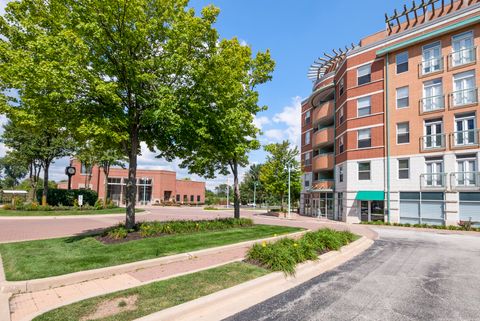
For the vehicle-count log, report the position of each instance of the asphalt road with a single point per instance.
(405, 275)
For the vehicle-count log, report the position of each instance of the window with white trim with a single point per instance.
(402, 97)
(364, 171)
(307, 138)
(341, 145)
(364, 138)
(364, 106)
(364, 74)
(341, 86)
(404, 168)
(308, 161)
(403, 133)
(341, 116)
(340, 173)
(307, 117)
(402, 62)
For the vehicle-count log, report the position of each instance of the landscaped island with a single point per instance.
(147, 299)
(45, 258)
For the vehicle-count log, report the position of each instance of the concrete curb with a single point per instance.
(5, 306)
(245, 295)
(113, 215)
(82, 276)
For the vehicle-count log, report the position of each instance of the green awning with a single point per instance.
(370, 196)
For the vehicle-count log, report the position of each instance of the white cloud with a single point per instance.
(242, 42)
(261, 121)
(290, 116)
(275, 135)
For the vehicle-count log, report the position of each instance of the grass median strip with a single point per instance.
(144, 300)
(64, 212)
(45, 258)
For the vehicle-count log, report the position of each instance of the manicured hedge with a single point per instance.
(65, 197)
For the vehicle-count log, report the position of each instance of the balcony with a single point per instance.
(323, 162)
(432, 142)
(465, 180)
(466, 138)
(323, 137)
(324, 112)
(462, 98)
(326, 184)
(433, 181)
(430, 66)
(431, 104)
(462, 57)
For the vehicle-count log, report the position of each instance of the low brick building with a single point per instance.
(153, 186)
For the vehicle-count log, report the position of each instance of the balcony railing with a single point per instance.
(464, 97)
(465, 180)
(431, 66)
(465, 138)
(432, 103)
(463, 57)
(433, 142)
(433, 181)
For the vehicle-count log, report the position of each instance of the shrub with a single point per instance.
(285, 254)
(57, 196)
(118, 232)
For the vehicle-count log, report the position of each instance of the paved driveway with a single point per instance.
(405, 275)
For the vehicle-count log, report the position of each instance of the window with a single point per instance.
(364, 138)
(402, 62)
(306, 181)
(364, 74)
(465, 130)
(192, 198)
(341, 116)
(434, 137)
(307, 138)
(185, 198)
(433, 95)
(463, 49)
(198, 198)
(341, 146)
(340, 174)
(84, 169)
(402, 97)
(466, 170)
(434, 175)
(364, 106)
(307, 159)
(364, 171)
(403, 169)
(178, 198)
(403, 133)
(341, 86)
(307, 117)
(464, 89)
(432, 58)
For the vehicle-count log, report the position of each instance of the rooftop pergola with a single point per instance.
(327, 63)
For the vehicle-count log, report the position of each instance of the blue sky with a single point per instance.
(296, 32)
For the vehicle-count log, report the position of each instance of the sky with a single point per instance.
(296, 33)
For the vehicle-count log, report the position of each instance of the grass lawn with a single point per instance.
(147, 299)
(65, 213)
(44, 258)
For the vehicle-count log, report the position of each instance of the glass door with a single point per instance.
(463, 51)
(431, 58)
(434, 135)
(434, 174)
(365, 211)
(465, 132)
(464, 89)
(466, 172)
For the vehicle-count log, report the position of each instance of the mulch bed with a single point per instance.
(134, 236)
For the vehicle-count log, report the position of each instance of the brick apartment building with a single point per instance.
(390, 130)
(153, 186)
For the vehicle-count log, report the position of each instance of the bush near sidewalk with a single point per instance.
(157, 228)
(464, 226)
(285, 254)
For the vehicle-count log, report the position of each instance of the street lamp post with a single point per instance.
(144, 191)
(255, 194)
(289, 208)
(228, 193)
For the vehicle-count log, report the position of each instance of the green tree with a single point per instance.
(13, 168)
(251, 182)
(222, 136)
(274, 173)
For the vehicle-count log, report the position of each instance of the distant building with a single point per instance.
(390, 130)
(153, 186)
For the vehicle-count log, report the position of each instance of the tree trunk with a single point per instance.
(106, 171)
(131, 192)
(46, 168)
(236, 191)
